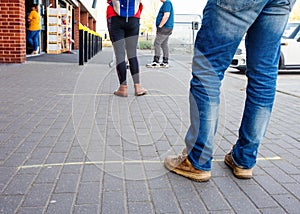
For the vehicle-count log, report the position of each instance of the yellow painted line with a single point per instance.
(258, 159)
(85, 94)
(148, 95)
(121, 162)
(86, 163)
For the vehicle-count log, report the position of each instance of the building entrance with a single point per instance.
(41, 9)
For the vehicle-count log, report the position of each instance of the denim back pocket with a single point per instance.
(235, 6)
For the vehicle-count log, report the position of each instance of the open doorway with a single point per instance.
(41, 10)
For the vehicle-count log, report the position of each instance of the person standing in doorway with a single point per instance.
(223, 26)
(33, 32)
(164, 28)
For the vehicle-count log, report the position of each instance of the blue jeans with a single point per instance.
(33, 38)
(224, 24)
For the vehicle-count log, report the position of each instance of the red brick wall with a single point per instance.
(76, 31)
(94, 24)
(12, 31)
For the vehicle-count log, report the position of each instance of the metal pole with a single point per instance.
(85, 46)
(81, 51)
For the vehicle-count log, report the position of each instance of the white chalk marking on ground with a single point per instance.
(121, 162)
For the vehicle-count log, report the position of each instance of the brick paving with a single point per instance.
(69, 146)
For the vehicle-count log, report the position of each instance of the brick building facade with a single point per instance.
(13, 26)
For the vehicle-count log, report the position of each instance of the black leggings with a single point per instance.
(124, 36)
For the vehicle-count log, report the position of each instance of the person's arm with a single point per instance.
(30, 17)
(164, 19)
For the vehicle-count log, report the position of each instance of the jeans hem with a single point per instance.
(198, 167)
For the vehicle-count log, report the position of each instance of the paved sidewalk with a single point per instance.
(69, 146)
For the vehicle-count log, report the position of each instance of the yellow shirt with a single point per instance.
(35, 21)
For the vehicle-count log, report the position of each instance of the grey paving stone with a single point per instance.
(19, 184)
(134, 171)
(259, 196)
(159, 182)
(209, 195)
(288, 202)
(16, 159)
(88, 193)
(113, 168)
(112, 183)
(56, 158)
(182, 188)
(194, 205)
(38, 195)
(40, 153)
(164, 201)
(72, 169)
(27, 147)
(276, 210)
(86, 209)
(92, 173)
(279, 175)
(270, 185)
(287, 167)
(113, 202)
(294, 188)
(148, 152)
(132, 155)
(31, 210)
(67, 183)
(9, 203)
(75, 154)
(235, 197)
(140, 207)
(48, 175)
(6, 173)
(137, 191)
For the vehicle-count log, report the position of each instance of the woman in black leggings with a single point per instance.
(123, 26)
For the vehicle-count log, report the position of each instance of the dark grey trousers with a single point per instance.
(161, 42)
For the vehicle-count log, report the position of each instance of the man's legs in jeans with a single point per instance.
(33, 39)
(29, 37)
(36, 39)
(222, 29)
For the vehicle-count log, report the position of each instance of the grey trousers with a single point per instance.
(161, 42)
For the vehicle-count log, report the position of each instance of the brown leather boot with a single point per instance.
(122, 91)
(182, 166)
(237, 171)
(139, 90)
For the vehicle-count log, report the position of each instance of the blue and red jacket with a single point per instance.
(124, 8)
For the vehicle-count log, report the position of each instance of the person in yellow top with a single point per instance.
(33, 31)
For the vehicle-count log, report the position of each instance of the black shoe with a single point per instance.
(164, 65)
(153, 65)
